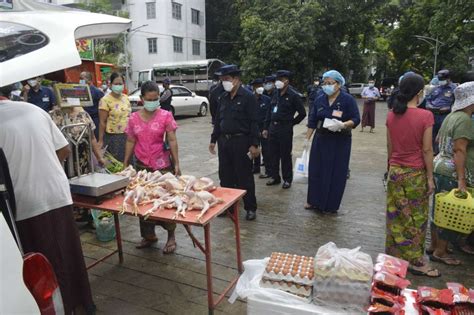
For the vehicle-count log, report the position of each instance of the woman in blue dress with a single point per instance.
(334, 115)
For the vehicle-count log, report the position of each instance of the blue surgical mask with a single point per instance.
(82, 81)
(329, 89)
(117, 88)
(268, 86)
(151, 106)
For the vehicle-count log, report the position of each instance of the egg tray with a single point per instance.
(290, 268)
(304, 291)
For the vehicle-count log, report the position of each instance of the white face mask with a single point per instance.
(228, 85)
(279, 84)
(443, 82)
(259, 90)
(371, 85)
(268, 86)
(32, 83)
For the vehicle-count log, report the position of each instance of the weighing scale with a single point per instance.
(92, 184)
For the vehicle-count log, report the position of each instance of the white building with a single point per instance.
(165, 31)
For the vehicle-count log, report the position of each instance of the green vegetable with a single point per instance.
(112, 164)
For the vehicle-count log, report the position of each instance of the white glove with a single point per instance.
(338, 125)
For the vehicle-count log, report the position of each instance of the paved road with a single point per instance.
(149, 282)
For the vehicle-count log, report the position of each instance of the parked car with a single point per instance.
(356, 88)
(184, 101)
(386, 87)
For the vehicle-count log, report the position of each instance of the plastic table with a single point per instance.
(231, 199)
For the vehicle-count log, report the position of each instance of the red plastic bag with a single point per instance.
(392, 265)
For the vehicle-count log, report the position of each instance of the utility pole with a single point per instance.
(125, 50)
(436, 44)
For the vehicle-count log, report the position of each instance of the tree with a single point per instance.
(108, 50)
(222, 30)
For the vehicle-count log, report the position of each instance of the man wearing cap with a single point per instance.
(279, 128)
(166, 96)
(263, 104)
(439, 102)
(269, 85)
(237, 135)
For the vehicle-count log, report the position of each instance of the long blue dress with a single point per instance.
(330, 152)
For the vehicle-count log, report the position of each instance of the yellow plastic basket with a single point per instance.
(454, 213)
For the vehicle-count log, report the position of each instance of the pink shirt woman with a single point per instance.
(149, 146)
(148, 135)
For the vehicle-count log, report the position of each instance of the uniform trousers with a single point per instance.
(235, 167)
(280, 145)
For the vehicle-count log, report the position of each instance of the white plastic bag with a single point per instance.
(300, 173)
(342, 277)
(266, 301)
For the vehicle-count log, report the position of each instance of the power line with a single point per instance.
(206, 41)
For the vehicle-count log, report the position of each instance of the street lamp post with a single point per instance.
(436, 44)
(125, 44)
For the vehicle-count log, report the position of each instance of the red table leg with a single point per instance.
(207, 240)
(240, 266)
(118, 236)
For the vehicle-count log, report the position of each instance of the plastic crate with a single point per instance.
(453, 213)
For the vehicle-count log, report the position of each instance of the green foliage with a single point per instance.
(105, 50)
(305, 36)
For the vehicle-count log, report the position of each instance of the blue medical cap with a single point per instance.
(335, 75)
(434, 81)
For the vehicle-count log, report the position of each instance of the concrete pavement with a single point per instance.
(149, 282)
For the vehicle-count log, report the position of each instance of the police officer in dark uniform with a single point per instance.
(39, 95)
(166, 96)
(236, 133)
(280, 120)
(263, 104)
(439, 102)
(269, 85)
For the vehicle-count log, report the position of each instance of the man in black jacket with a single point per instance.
(279, 128)
(237, 135)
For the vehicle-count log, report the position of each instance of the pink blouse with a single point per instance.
(149, 136)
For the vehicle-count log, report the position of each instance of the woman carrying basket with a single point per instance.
(454, 166)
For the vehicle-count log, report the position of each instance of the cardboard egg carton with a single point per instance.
(301, 290)
(290, 268)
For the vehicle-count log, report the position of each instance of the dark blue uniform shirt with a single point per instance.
(344, 103)
(236, 116)
(442, 97)
(44, 98)
(283, 108)
(93, 110)
(263, 104)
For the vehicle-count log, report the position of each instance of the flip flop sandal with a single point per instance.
(309, 207)
(426, 273)
(430, 252)
(450, 261)
(146, 243)
(466, 251)
(166, 250)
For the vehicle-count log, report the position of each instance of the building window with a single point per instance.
(196, 47)
(152, 46)
(150, 10)
(176, 10)
(178, 44)
(195, 16)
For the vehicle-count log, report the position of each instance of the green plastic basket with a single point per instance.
(453, 213)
